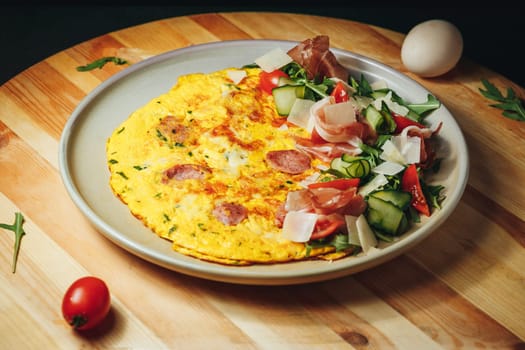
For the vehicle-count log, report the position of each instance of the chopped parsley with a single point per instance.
(123, 175)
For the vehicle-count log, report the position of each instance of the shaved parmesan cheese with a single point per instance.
(378, 181)
(367, 237)
(300, 114)
(412, 149)
(298, 226)
(378, 85)
(340, 114)
(309, 180)
(351, 227)
(273, 60)
(360, 233)
(388, 168)
(236, 75)
(402, 149)
(393, 106)
(361, 102)
(392, 153)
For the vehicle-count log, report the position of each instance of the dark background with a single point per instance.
(29, 32)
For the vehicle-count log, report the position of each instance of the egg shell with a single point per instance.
(432, 48)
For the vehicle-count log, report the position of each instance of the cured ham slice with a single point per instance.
(326, 151)
(316, 58)
(326, 200)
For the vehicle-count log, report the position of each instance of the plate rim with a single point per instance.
(239, 274)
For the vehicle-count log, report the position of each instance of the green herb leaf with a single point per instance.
(362, 87)
(101, 62)
(18, 229)
(423, 109)
(511, 104)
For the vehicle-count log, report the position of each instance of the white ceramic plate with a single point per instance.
(84, 171)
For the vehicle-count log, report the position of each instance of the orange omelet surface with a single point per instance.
(198, 146)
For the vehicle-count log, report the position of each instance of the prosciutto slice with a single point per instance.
(326, 151)
(315, 57)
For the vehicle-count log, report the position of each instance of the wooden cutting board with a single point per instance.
(462, 288)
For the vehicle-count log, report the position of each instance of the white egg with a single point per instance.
(432, 48)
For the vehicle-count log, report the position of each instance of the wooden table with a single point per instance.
(462, 288)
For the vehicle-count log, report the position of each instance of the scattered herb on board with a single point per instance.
(511, 104)
(18, 229)
(101, 62)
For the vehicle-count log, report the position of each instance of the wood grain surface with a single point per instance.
(462, 288)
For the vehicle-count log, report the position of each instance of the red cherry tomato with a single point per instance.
(86, 303)
(339, 93)
(410, 183)
(269, 81)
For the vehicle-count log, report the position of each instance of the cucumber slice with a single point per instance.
(285, 96)
(379, 93)
(286, 81)
(349, 158)
(373, 117)
(400, 199)
(385, 216)
(339, 165)
(389, 124)
(358, 168)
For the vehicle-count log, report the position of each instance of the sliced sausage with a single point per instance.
(289, 161)
(173, 130)
(185, 172)
(230, 213)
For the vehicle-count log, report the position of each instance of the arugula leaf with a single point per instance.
(433, 194)
(339, 241)
(17, 228)
(101, 62)
(511, 104)
(362, 87)
(417, 111)
(422, 109)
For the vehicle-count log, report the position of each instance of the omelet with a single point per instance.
(192, 165)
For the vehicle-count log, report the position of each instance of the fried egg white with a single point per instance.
(221, 132)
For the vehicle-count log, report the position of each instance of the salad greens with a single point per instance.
(511, 104)
(383, 200)
(17, 228)
(101, 62)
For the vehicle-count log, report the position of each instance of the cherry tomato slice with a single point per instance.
(269, 81)
(403, 122)
(324, 228)
(410, 183)
(86, 303)
(316, 138)
(339, 93)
